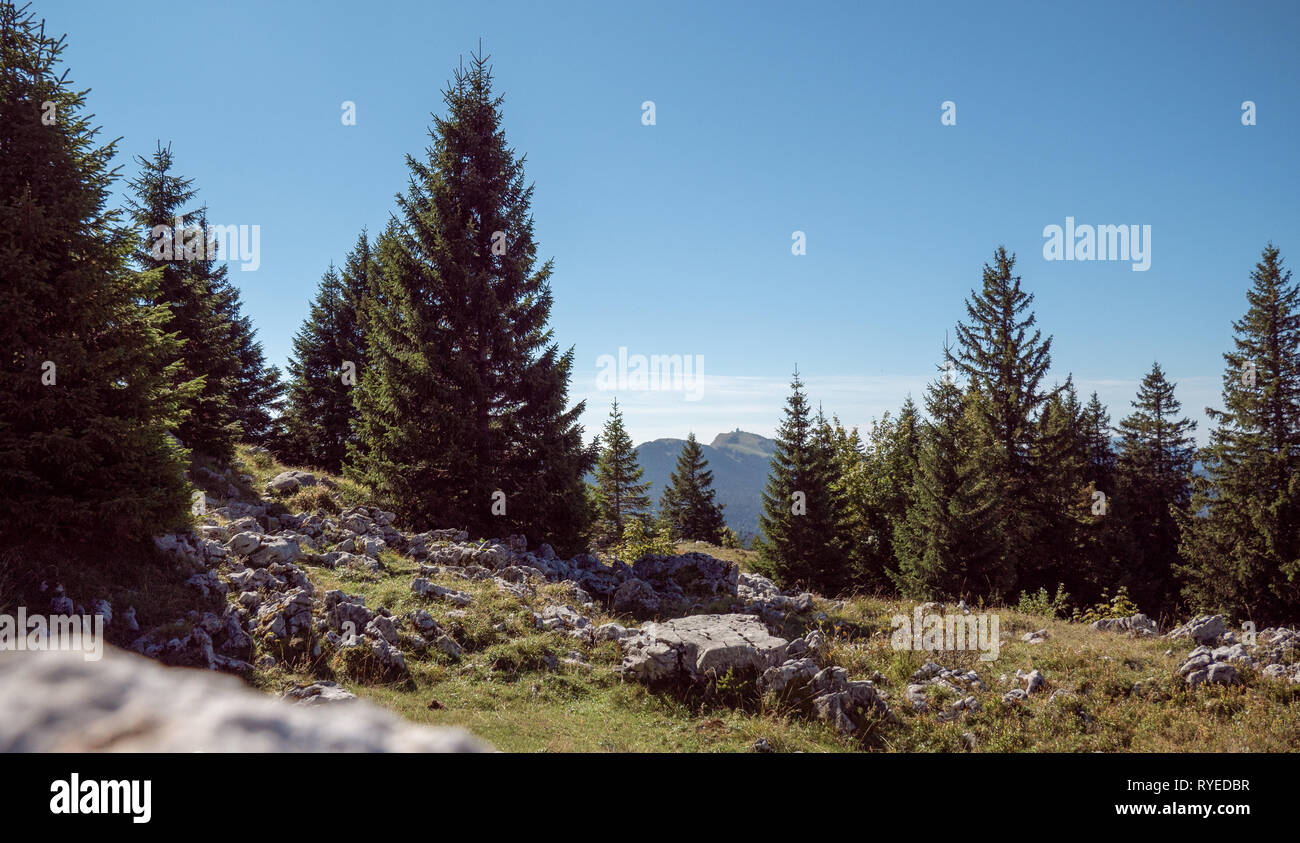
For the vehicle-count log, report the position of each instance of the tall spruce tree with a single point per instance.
(944, 544)
(620, 493)
(255, 389)
(173, 242)
(1062, 517)
(464, 402)
(1100, 459)
(688, 503)
(1005, 365)
(1155, 466)
(1241, 532)
(800, 533)
(328, 358)
(86, 389)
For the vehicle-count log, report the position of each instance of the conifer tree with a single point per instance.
(1061, 517)
(86, 389)
(1241, 532)
(688, 502)
(620, 493)
(255, 389)
(943, 544)
(1005, 365)
(173, 242)
(328, 358)
(1100, 456)
(463, 407)
(800, 541)
(1155, 465)
(259, 392)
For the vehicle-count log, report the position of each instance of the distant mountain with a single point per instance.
(739, 463)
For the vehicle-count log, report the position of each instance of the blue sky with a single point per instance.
(769, 119)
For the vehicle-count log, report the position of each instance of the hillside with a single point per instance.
(318, 600)
(739, 462)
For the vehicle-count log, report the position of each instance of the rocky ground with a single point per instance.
(321, 606)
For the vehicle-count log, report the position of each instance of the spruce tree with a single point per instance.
(173, 242)
(1241, 531)
(328, 358)
(800, 543)
(620, 493)
(256, 392)
(688, 503)
(1005, 365)
(1100, 456)
(464, 416)
(944, 544)
(86, 389)
(1155, 465)
(1061, 515)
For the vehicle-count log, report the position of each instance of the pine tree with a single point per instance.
(254, 387)
(943, 544)
(1155, 465)
(86, 389)
(1005, 366)
(799, 522)
(620, 494)
(1241, 532)
(688, 502)
(1100, 456)
(173, 242)
(1061, 517)
(259, 392)
(328, 357)
(464, 401)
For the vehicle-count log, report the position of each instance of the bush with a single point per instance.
(1119, 606)
(729, 538)
(1042, 604)
(638, 542)
(311, 499)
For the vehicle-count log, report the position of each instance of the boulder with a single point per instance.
(318, 693)
(1205, 629)
(700, 647)
(287, 482)
(636, 598)
(1137, 625)
(59, 702)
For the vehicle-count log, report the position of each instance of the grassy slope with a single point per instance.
(502, 690)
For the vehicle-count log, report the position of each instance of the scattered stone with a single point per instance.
(290, 481)
(319, 693)
(1205, 629)
(427, 589)
(1138, 626)
(1036, 637)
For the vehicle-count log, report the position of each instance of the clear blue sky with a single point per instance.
(770, 118)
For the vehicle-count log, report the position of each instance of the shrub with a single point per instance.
(1119, 606)
(638, 542)
(1042, 604)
